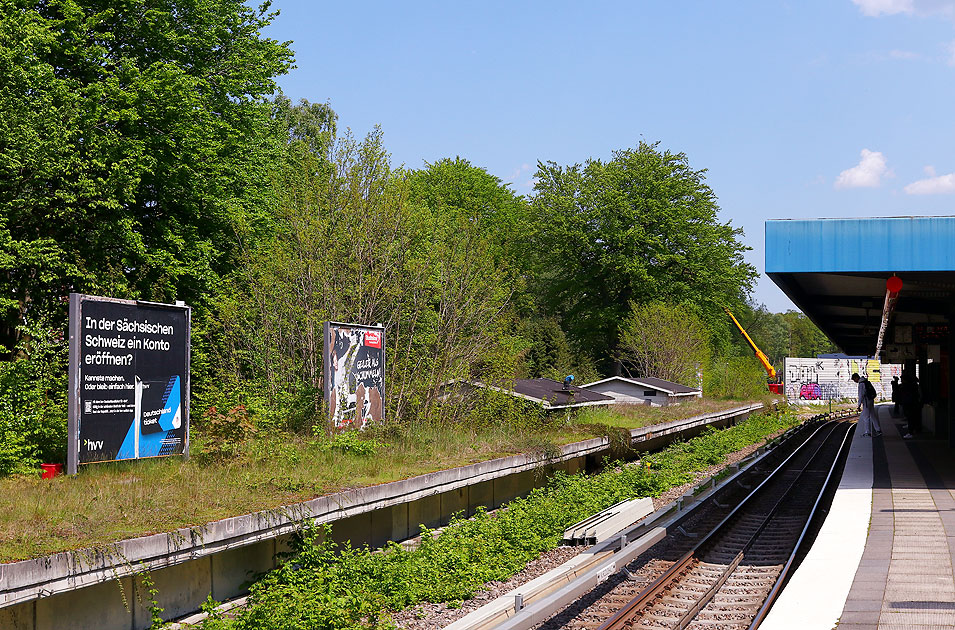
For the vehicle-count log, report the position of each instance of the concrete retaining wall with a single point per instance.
(102, 589)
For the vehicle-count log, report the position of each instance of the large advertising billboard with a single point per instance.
(354, 374)
(129, 380)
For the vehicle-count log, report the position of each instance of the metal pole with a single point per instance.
(73, 393)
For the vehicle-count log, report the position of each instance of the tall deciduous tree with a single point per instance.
(358, 241)
(134, 144)
(664, 341)
(643, 226)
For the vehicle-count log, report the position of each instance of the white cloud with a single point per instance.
(887, 7)
(933, 185)
(867, 173)
(904, 54)
(875, 8)
(950, 50)
(523, 168)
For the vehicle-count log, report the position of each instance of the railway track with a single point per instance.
(728, 577)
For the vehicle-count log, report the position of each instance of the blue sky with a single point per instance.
(796, 109)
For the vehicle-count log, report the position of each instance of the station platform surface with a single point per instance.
(884, 557)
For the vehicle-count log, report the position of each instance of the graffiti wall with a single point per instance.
(821, 380)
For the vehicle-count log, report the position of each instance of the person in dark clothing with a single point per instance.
(895, 396)
(911, 400)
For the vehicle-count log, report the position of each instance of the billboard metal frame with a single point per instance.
(73, 396)
(327, 373)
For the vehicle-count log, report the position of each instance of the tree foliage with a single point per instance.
(664, 341)
(638, 228)
(144, 153)
(361, 242)
(132, 146)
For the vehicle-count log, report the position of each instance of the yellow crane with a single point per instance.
(770, 370)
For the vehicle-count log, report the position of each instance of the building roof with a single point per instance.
(669, 387)
(549, 393)
(835, 271)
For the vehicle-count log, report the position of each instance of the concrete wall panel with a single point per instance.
(513, 486)
(91, 608)
(480, 494)
(400, 526)
(19, 617)
(453, 502)
(356, 529)
(426, 511)
(182, 589)
(232, 569)
(383, 524)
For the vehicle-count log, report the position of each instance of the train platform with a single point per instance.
(884, 557)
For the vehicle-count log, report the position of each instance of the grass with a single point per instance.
(109, 502)
(330, 586)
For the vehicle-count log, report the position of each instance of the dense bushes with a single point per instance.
(33, 403)
(148, 166)
(325, 585)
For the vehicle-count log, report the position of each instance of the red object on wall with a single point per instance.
(51, 470)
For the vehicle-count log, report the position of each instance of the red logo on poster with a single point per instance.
(373, 339)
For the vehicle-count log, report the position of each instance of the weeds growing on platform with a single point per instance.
(268, 469)
(326, 585)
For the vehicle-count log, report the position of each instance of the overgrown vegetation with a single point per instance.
(329, 586)
(272, 468)
(147, 155)
(147, 170)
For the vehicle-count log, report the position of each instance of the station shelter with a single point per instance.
(885, 555)
(838, 271)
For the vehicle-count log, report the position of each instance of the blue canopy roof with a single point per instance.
(835, 271)
(894, 244)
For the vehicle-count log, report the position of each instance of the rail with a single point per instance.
(694, 562)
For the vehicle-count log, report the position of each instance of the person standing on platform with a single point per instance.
(911, 401)
(868, 419)
(895, 396)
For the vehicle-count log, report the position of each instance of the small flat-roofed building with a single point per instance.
(644, 390)
(551, 395)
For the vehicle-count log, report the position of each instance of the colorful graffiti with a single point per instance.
(821, 380)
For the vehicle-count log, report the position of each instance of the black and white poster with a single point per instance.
(129, 380)
(354, 374)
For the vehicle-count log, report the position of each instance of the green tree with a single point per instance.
(135, 143)
(664, 341)
(361, 242)
(805, 338)
(643, 226)
(472, 195)
(549, 354)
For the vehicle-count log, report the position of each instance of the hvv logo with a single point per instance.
(93, 445)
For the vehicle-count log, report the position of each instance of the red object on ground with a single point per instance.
(776, 388)
(51, 470)
(893, 284)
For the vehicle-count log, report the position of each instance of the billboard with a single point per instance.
(824, 379)
(354, 374)
(129, 380)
